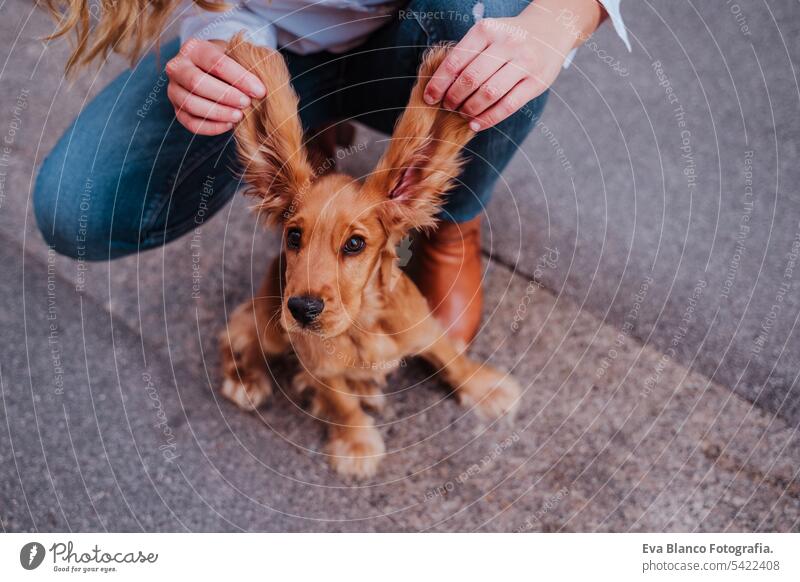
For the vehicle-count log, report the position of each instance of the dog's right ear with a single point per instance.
(423, 159)
(269, 138)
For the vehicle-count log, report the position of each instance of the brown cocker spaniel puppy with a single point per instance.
(336, 295)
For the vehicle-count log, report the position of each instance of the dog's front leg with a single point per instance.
(490, 391)
(354, 444)
(252, 334)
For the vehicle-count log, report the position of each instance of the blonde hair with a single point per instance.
(122, 26)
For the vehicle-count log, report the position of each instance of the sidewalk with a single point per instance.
(610, 436)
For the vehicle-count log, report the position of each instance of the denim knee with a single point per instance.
(488, 155)
(68, 215)
(449, 20)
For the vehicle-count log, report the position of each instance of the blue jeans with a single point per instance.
(126, 176)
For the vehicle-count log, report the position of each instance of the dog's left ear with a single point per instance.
(423, 158)
(270, 137)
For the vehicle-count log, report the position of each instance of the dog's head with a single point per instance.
(339, 234)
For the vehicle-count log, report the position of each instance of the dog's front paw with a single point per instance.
(356, 451)
(491, 392)
(247, 393)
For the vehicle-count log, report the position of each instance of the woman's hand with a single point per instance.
(503, 63)
(208, 88)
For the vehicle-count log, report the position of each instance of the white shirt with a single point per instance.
(309, 26)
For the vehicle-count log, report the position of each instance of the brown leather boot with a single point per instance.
(446, 267)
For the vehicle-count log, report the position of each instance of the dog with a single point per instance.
(336, 295)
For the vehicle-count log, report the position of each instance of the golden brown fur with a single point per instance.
(373, 315)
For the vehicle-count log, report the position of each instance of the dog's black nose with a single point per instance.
(305, 308)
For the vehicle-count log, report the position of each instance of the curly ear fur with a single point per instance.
(423, 158)
(270, 137)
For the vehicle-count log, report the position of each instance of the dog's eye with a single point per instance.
(354, 245)
(293, 237)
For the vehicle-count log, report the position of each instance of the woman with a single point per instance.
(147, 176)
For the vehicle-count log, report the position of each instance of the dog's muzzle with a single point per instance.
(305, 308)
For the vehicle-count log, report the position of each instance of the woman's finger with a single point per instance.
(494, 89)
(457, 59)
(473, 76)
(512, 102)
(195, 80)
(202, 126)
(199, 107)
(213, 60)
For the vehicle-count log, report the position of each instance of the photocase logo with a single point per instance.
(404, 251)
(31, 555)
